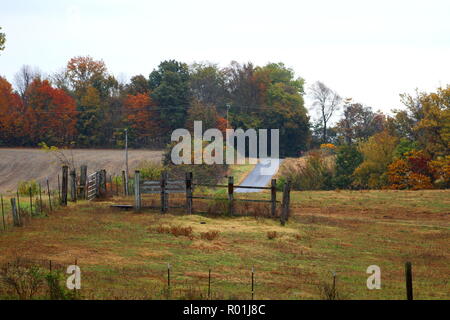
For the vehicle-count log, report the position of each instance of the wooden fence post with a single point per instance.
(163, 191)
(285, 203)
(103, 175)
(273, 197)
(408, 279)
(97, 184)
(3, 213)
(124, 183)
(40, 199)
(49, 197)
(230, 195)
(73, 185)
(59, 190)
(83, 181)
(288, 204)
(137, 190)
(16, 216)
(189, 192)
(64, 187)
(18, 201)
(31, 202)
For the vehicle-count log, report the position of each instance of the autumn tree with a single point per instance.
(51, 114)
(425, 120)
(358, 122)
(23, 79)
(12, 126)
(83, 72)
(378, 153)
(326, 102)
(281, 106)
(142, 118)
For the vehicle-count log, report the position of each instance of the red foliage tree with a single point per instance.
(51, 114)
(142, 116)
(11, 115)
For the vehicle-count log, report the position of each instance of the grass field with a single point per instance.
(124, 255)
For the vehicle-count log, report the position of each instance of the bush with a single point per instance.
(209, 235)
(441, 171)
(271, 235)
(25, 186)
(411, 172)
(25, 281)
(56, 291)
(150, 170)
(348, 158)
(315, 173)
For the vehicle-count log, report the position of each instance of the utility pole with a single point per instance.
(126, 161)
(228, 109)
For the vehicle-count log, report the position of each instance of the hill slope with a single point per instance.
(25, 164)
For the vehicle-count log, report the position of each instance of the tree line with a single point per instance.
(87, 106)
(369, 150)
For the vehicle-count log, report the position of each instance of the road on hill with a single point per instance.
(261, 175)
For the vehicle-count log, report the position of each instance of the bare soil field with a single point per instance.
(35, 164)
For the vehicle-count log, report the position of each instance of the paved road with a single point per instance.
(261, 175)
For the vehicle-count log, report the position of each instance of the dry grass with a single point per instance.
(344, 232)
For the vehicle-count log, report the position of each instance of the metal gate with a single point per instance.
(92, 186)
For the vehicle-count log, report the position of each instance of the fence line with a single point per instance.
(166, 186)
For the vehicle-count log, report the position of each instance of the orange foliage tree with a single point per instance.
(11, 115)
(142, 116)
(411, 172)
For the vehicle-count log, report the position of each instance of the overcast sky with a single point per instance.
(369, 50)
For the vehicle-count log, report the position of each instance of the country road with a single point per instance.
(261, 175)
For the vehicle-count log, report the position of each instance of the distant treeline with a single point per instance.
(84, 105)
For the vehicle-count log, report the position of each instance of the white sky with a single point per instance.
(369, 50)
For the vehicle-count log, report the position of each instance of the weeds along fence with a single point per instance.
(223, 204)
(34, 199)
(26, 279)
(40, 200)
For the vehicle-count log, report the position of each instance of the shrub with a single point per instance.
(314, 173)
(210, 235)
(440, 169)
(150, 170)
(411, 172)
(24, 280)
(348, 158)
(328, 291)
(181, 231)
(271, 235)
(25, 186)
(56, 291)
